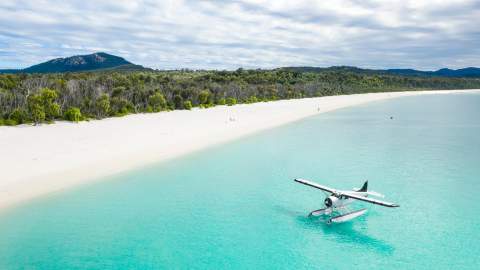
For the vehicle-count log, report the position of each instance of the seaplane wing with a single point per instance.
(369, 200)
(376, 194)
(315, 185)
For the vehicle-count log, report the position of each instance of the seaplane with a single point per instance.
(337, 202)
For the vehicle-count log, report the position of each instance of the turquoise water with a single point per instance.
(235, 206)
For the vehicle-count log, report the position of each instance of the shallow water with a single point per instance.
(236, 206)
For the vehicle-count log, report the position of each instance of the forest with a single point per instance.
(78, 96)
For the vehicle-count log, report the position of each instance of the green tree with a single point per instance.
(102, 105)
(120, 106)
(290, 92)
(157, 102)
(50, 107)
(73, 114)
(222, 101)
(231, 101)
(252, 99)
(203, 97)
(187, 104)
(178, 102)
(19, 116)
(35, 108)
(10, 122)
(118, 91)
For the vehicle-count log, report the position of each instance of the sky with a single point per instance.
(172, 34)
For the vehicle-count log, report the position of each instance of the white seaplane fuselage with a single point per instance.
(337, 201)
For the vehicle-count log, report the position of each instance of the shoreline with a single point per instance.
(39, 160)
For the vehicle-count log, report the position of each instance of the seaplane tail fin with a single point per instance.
(364, 187)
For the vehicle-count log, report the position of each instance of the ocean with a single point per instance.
(236, 206)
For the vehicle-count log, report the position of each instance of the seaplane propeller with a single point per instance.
(337, 201)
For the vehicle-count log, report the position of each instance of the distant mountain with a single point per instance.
(90, 62)
(470, 72)
(101, 61)
(9, 71)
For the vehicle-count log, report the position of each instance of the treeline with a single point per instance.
(38, 98)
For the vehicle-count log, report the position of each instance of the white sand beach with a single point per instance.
(38, 160)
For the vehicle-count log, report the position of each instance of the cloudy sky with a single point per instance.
(245, 33)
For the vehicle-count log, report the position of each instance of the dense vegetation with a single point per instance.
(37, 98)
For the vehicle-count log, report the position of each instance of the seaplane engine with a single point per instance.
(332, 201)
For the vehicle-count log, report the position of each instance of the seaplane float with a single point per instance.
(337, 201)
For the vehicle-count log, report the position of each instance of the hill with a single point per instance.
(470, 72)
(444, 72)
(101, 61)
(90, 62)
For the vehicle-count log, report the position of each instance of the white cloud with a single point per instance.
(230, 34)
